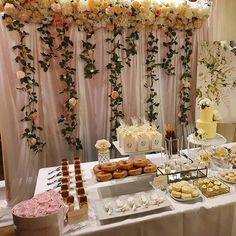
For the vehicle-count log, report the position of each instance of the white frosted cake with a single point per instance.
(208, 118)
(138, 138)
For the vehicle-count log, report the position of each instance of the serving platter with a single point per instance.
(188, 200)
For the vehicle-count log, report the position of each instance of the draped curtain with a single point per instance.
(21, 165)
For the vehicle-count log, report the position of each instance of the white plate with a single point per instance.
(187, 200)
(225, 180)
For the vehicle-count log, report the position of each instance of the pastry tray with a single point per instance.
(123, 191)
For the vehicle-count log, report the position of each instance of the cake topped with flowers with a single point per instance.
(207, 123)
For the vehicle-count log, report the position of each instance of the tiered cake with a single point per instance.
(208, 118)
(138, 138)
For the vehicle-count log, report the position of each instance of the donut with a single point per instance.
(103, 176)
(109, 167)
(135, 171)
(125, 165)
(97, 169)
(140, 163)
(150, 168)
(117, 174)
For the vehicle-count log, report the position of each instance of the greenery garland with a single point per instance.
(48, 40)
(115, 67)
(170, 44)
(131, 49)
(151, 66)
(87, 55)
(69, 118)
(185, 78)
(28, 84)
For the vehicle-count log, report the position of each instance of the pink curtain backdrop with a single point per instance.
(21, 165)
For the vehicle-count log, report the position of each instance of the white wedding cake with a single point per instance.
(208, 118)
(136, 138)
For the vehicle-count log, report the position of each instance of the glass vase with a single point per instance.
(103, 157)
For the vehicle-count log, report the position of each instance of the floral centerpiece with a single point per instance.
(103, 146)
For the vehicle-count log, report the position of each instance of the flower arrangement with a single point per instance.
(102, 145)
(199, 134)
(216, 116)
(206, 102)
(180, 16)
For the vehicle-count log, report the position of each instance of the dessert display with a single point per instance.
(42, 213)
(208, 118)
(183, 191)
(122, 169)
(228, 176)
(130, 204)
(211, 186)
(138, 138)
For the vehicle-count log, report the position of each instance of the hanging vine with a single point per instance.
(185, 78)
(131, 49)
(69, 118)
(151, 67)
(115, 67)
(87, 55)
(48, 40)
(28, 83)
(170, 45)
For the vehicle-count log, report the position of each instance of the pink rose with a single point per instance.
(56, 7)
(34, 116)
(20, 74)
(10, 9)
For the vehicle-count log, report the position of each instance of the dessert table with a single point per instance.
(214, 216)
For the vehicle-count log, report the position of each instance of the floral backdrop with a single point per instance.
(54, 19)
(216, 77)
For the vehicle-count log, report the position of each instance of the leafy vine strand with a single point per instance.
(69, 118)
(185, 78)
(151, 66)
(115, 67)
(28, 84)
(170, 45)
(87, 55)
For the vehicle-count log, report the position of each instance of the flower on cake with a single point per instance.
(102, 145)
(206, 102)
(216, 116)
(199, 134)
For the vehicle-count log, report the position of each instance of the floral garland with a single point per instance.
(180, 16)
(48, 40)
(185, 78)
(69, 118)
(115, 67)
(151, 66)
(216, 71)
(28, 85)
(88, 53)
(167, 61)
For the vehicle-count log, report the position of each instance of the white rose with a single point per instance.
(102, 145)
(72, 102)
(20, 74)
(32, 141)
(186, 84)
(216, 116)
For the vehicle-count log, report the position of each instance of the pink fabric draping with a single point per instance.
(21, 165)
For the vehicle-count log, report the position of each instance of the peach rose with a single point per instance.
(56, 7)
(20, 74)
(110, 11)
(24, 15)
(114, 95)
(32, 141)
(135, 4)
(34, 116)
(10, 9)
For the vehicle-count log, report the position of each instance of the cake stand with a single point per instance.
(135, 155)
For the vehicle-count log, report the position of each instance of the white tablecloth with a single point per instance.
(211, 217)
